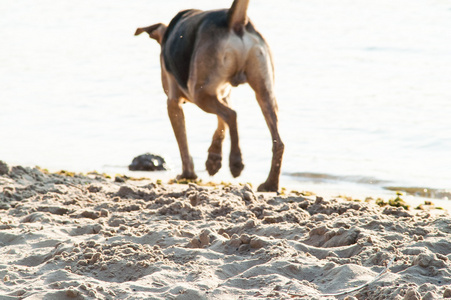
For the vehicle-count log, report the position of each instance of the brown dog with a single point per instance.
(203, 54)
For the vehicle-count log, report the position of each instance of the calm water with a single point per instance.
(363, 90)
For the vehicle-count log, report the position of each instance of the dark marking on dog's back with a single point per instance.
(178, 45)
(180, 39)
(251, 29)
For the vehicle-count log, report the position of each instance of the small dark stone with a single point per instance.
(148, 162)
(4, 169)
(119, 179)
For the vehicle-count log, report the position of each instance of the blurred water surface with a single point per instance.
(363, 90)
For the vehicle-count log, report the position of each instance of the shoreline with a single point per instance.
(74, 236)
(325, 185)
(413, 190)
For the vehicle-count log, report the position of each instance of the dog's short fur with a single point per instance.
(203, 54)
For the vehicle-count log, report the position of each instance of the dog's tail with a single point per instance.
(237, 16)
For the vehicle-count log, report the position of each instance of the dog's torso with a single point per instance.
(201, 52)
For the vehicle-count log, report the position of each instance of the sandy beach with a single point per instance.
(73, 236)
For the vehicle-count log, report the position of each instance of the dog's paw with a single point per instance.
(213, 163)
(187, 175)
(236, 165)
(268, 187)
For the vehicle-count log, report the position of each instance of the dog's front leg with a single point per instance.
(177, 118)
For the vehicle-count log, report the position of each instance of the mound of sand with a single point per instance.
(88, 237)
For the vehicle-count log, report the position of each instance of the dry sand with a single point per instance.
(89, 237)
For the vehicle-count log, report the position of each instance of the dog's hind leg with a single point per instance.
(211, 104)
(259, 73)
(213, 163)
